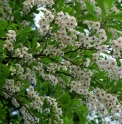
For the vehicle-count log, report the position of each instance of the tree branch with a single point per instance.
(97, 82)
(4, 120)
(12, 95)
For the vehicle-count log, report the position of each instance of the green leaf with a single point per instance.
(67, 120)
(60, 6)
(80, 29)
(4, 70)
(109, 36)
(73, 103)
(82, 117)
(90, 6)
(64, 98)
(81, 25)
(117, 16)
(27, 29)
(118, 86)
(82, 113)
(21, 38)
(58, 90)
(3, 25)
(103, 6)
(2, 80)
(77, 60)
(1, 46)
(25, 84)
(109, 3)
(46, 60)
(67, 9)
(115, 26)
(17, 16)
(94, 67)
(90, 17)
(29, 44)
(88, 53)
(34, 43)
(55, 28)
(20, 26)
(73, 54)
(64, 78)
(78, 8)
(83, 109)
(12, 4)
(36, 11)
(23, 34)
(44, 84)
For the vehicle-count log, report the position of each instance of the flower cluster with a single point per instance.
(15, 103)
(45, 21)
(28, 117)
(11, 86)
(23, 53)
(83, 79)
(117, 47)
(37, 101)
(65, 20)
(100, 101)
(58, 111)
(6, 11)
(25, 23)
(29, 4)
(11, 38)
(51, 78)
(58, 58)
(27, 74)
(109, 65)
(97, 10)
(98, 38)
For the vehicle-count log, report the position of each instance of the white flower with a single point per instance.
(59, 111)
(18, 53)
(8, 45)
(11, 33)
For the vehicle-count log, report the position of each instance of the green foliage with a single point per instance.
(78, 8)
(63, 70)
(109, 3)
(91, 17)
(34, 43)
(90, 6)
(103, 6)
(117, 16)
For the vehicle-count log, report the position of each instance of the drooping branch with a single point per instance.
(13, 95)
(97, 82)
(32, 10)
(4, 120)
(12, 12)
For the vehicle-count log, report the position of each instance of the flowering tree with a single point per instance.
(66, 71)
